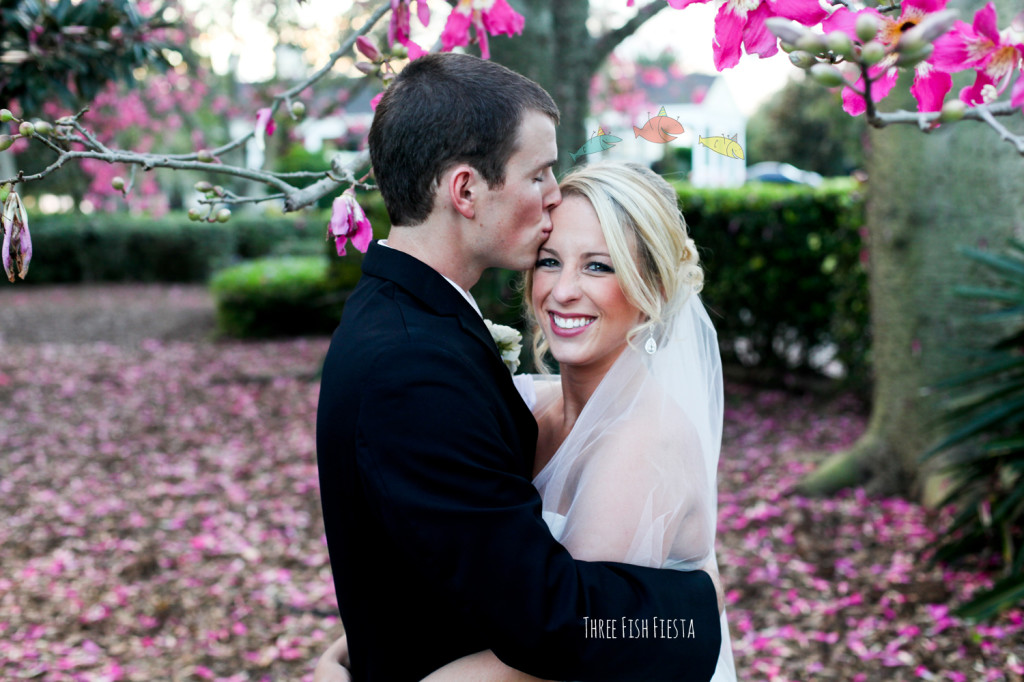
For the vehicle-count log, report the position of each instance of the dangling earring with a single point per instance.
(651, 346)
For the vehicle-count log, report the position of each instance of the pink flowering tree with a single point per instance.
(862, 50)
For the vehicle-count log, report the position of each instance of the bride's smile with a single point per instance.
(576, 294)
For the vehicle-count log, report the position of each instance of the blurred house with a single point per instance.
(706, 109)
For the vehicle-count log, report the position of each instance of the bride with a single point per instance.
(630, 430)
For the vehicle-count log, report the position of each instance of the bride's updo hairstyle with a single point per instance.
(655, 261)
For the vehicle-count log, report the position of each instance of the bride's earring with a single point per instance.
(651, 346)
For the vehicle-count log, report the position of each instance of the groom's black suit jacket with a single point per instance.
(435, 534)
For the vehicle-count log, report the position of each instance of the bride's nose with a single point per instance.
(567, 288)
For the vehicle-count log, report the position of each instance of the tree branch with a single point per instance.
(294, 197)
(985, 113)
(604, 45)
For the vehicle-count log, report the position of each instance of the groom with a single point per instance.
(424, 447)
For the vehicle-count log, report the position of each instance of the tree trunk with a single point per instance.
(927, 195)
(556, 51)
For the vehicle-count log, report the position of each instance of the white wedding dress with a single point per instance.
(635, 480)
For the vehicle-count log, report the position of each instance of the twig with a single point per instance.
(927, 120)
(294, 198)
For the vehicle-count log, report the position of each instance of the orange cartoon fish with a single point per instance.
(660, 129)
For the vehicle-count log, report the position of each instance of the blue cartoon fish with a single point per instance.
(726, 146)
(596, 144)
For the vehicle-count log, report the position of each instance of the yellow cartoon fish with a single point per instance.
(726, 146)
(660, 129)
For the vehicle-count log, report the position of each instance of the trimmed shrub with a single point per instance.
(119, 248)
(785, 282)
(280, 296)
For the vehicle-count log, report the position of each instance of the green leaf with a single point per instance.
(999, 263)
(1003, 595)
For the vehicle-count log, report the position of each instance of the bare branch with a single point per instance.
(294, 198)
(604, 45)
(308, 195)
(928, 120)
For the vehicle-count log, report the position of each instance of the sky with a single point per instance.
(689, 32)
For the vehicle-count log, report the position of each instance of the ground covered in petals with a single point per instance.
(161, 520)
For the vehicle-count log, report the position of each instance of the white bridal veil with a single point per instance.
(635, 480)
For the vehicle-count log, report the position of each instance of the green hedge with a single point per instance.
(281, 296)
(783, 273)
(783, 266)
(103, 247)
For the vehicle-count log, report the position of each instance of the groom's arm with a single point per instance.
(436, 468)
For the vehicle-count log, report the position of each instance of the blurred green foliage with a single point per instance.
(804, 124)
(68, 50)
(784, 276)
(115, 248)
(279, 296)
(984, 448)
(784, 271)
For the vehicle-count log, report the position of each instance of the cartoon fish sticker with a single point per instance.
(726, 146)
(596, 144)
(660, 129)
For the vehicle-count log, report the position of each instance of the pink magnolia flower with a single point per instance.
(930, 82)
(981, 47)
(490, 17)
(349, 221)
(16, 252)
(741, 23)
(368, 48)
(399, 28)
(264, 125)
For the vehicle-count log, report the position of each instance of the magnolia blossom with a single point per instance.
(349, 221)
(490, 17)
(931, 83)
(264, 126)
(741, 23)
(399, 28)
(16, 252)
(995, 57)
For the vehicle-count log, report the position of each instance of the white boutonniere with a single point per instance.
(509, 343)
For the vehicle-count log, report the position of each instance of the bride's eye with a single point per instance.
(597, 266)
(546, 263)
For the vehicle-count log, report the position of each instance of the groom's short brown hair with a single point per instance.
(445, 109)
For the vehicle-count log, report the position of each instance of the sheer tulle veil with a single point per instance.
(645, 446)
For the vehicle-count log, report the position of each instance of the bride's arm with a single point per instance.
(482, 665)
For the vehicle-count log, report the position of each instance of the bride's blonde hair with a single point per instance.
(655, 261)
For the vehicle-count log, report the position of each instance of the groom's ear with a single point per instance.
(463, 187)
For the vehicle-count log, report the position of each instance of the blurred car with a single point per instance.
(774, 171)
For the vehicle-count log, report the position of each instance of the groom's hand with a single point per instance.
(333, 664)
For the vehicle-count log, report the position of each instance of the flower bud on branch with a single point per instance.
(16, 251)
